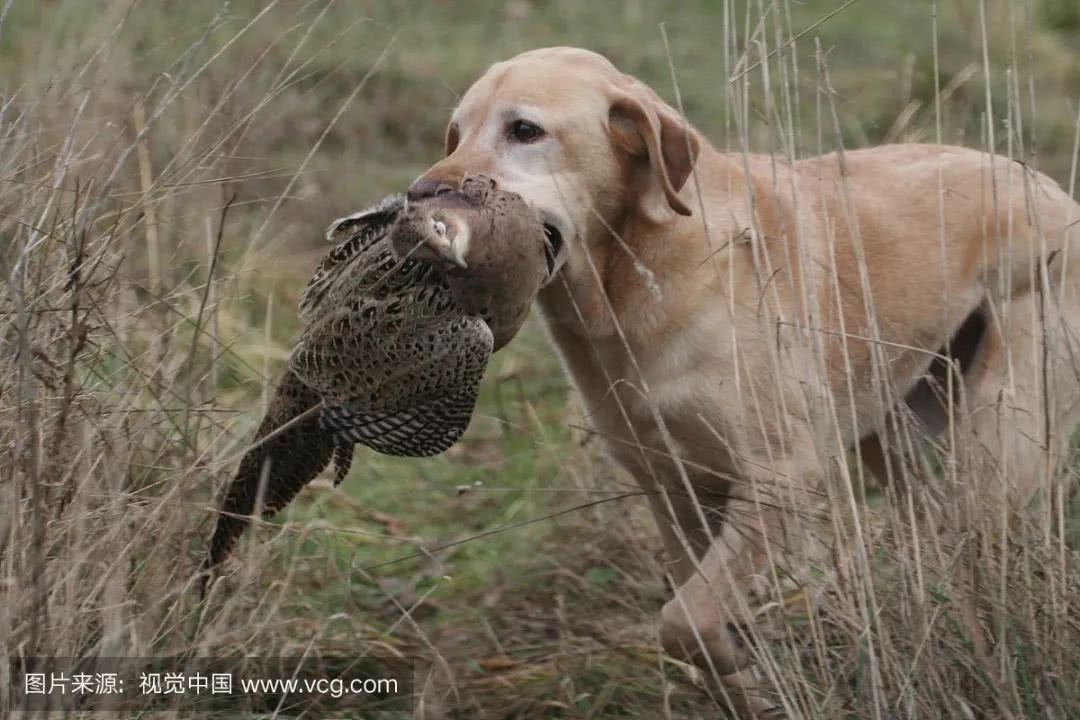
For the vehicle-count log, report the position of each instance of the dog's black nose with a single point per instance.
(425, 188)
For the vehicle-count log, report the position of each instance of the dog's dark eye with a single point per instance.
(523, 131)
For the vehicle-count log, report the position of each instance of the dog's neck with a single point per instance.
(602, 309)
(587, 347)
(586, 299)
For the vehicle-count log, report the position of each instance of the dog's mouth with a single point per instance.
(552, 246)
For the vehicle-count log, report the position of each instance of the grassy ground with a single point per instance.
(137, 351)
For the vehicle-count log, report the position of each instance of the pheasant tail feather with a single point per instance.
(291, 448)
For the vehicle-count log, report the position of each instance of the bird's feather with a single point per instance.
(393, 348)
(385, 356)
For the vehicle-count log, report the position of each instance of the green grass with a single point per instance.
(549, 619)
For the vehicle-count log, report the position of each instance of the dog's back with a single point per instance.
(970, 256)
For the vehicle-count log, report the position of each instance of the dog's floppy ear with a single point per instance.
(642, 124)
(453, 136)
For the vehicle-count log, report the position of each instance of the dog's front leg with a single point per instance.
(770, 543)
(687, 500)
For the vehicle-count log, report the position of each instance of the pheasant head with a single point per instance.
(490, 243)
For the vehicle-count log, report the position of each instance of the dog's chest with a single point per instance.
(682, 376)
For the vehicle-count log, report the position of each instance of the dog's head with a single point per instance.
(582, 143)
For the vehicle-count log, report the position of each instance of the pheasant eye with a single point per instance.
(523, 131)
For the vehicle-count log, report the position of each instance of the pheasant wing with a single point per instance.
(409, 394)
(356, 236)
(422, 431)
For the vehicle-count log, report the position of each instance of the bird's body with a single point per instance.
(400, 319)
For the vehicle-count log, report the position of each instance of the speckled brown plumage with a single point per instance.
(400, 319)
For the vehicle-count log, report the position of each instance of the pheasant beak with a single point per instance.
(449, 241)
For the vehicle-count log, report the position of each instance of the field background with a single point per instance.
(141, 323)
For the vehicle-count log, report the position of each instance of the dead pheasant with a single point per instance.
(400, 320)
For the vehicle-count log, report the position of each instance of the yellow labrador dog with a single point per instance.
(726, 318)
